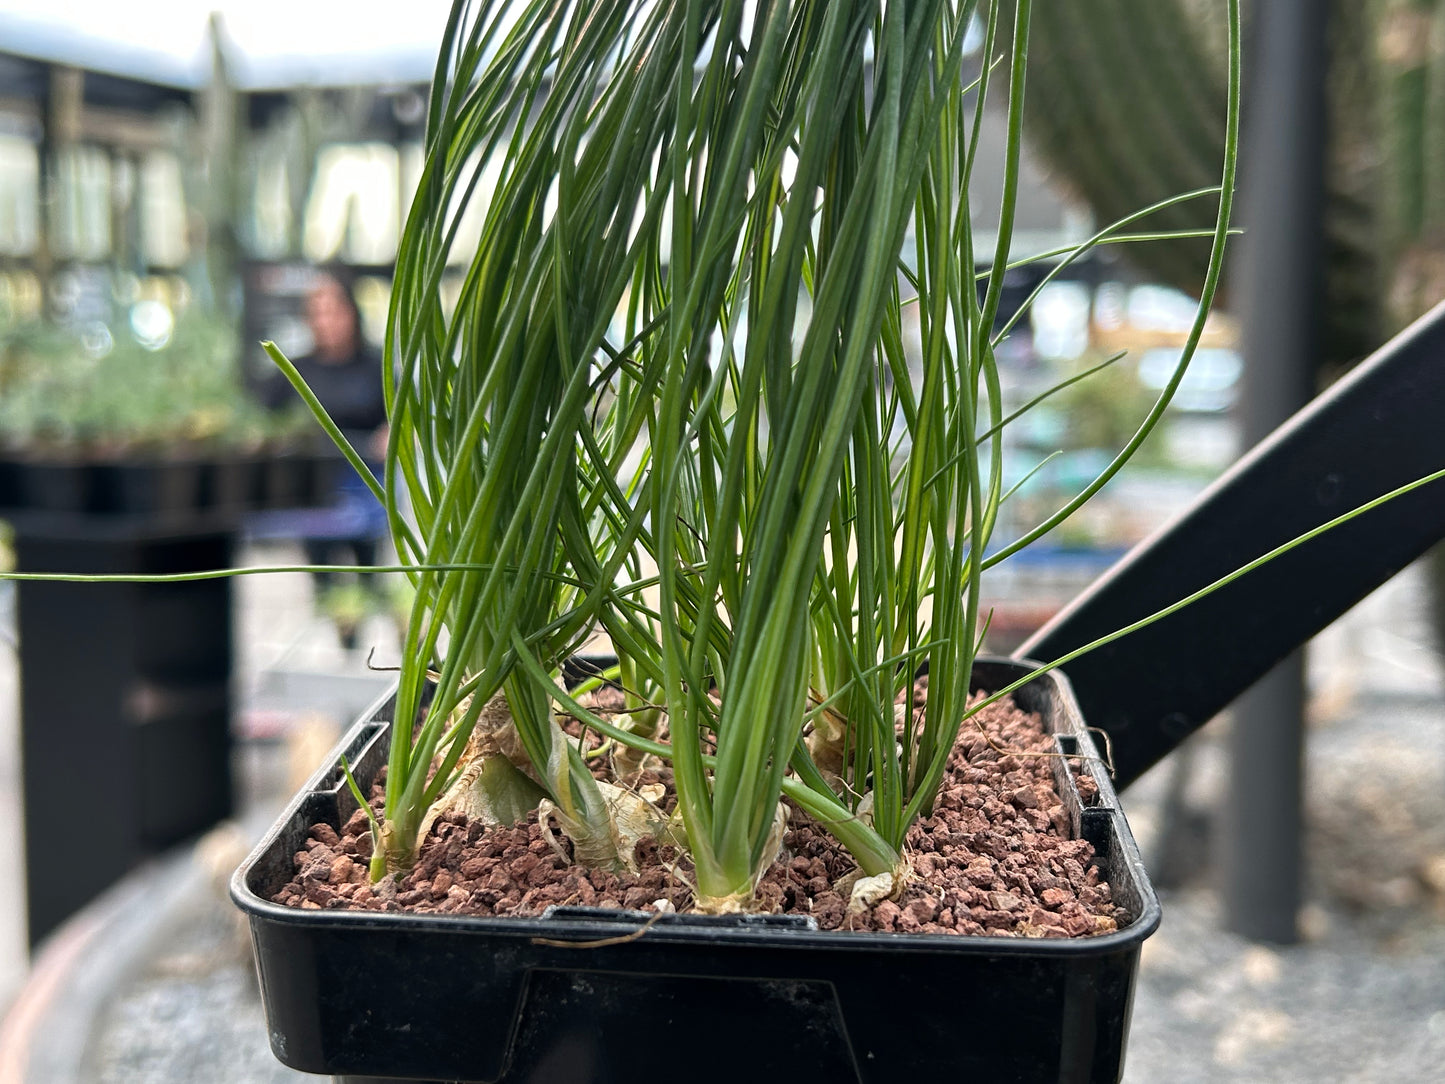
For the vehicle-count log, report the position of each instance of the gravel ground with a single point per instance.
(1346, 1007)
(191, 1014)
(1362, 997)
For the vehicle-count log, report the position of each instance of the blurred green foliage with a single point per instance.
(103, 392)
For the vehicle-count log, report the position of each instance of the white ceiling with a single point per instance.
(271, 43)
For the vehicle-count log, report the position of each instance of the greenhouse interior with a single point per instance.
(360, 362)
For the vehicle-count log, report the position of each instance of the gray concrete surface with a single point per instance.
(1347, 1006)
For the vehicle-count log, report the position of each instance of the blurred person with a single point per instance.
(344, 372)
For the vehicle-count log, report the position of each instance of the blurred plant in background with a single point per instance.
(155, 383)
(1119, 147)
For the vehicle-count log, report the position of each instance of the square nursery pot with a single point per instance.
(368, 996)
(233, 482)
(48, 483)
(148, 486)
(287, 479)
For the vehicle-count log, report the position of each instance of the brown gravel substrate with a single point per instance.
(993, 859)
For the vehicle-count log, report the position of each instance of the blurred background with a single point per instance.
(182, 180)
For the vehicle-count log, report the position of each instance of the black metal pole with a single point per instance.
(1279, 287)
(1261, 823)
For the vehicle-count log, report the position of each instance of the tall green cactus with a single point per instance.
(1119, 104)
(1411, 51)
(1124, 99)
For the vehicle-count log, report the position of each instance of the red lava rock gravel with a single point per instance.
(994, 858)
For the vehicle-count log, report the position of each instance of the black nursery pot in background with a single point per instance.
(145, 731)
(142, 728)
(49, 484)
(156, 487)
(207, 484)
(382, 996)
(233, 483)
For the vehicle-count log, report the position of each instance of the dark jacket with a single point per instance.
(351, 392)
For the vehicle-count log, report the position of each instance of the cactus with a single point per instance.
(1118, 104)
(1124, 102)
(1411, 51)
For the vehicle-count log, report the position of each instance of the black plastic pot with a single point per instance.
(49, 485)
(233, 483)
(148, 487)
(287, 480)
(143, 729)
(386, 996)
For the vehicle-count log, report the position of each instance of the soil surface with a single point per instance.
(994, 858)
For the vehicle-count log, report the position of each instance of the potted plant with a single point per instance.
(104, 422)
(673, 400)
(123, 451)
(107, 422)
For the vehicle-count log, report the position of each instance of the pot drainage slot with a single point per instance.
(594, 1026)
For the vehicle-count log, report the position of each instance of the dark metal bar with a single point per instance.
(1261, 821)
(1378, 428)
(1280, 286)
